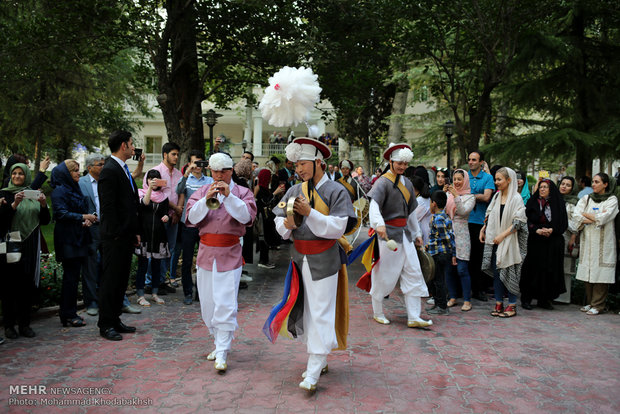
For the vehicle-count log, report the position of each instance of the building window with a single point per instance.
(153, 144)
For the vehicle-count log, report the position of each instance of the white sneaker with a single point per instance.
(419, 324)
(324, 370)
(381, 319)
(211, 356)
(267, 265)
(246, 278)
(308, 386)
(592, 311)
(431, 301)
(586, 308)
(220, 365)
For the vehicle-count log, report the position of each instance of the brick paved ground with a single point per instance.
(541, 361)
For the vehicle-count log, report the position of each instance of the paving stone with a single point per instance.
(468, 362)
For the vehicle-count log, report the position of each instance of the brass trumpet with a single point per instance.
(213, 203)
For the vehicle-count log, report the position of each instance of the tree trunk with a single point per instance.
(179, 86)
(395, 133)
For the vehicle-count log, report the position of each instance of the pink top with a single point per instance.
(220, 221)
(173, 179)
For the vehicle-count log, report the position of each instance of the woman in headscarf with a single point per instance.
(18, 213)
(522, 186)
(504, 235)
(594, 218)
(71, 236)
(569, 192)
(460, 203)
(542, 275)
(441, 180)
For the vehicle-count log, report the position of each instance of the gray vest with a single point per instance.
(392, 205)
(337, 199)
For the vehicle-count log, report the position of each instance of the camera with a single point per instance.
(137, 153)
(202, 163)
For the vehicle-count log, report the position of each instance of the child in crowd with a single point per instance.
(443, 249)
(154, 242)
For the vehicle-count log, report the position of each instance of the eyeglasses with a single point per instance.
(98, 165)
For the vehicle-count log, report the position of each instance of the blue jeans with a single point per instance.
(143, 264)
(462, 271)
(189, 239)
(498, 286)
(171, 231)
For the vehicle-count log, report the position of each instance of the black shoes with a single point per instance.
(26, 331)
(482, 297)
(122, 328)
(110, 334)
(527, 305)
(545, 304)
(10, 333)
(75, 322)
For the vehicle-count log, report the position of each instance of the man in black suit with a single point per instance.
(120, 233)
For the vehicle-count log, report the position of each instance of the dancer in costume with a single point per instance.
(392, 216)
(318, 317)
(219, 258)
(347, 181)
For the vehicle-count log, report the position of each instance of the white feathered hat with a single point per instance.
(288, 100)
(398, 152)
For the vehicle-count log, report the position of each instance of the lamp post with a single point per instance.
(448, 130)
(375, 151)
(244, 145)
(211, 119)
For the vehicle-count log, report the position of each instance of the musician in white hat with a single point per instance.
(392, 215)
(327, 214)
(219, 259)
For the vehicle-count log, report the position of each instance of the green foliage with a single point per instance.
(67, 75)
(564, 89)
(51, 281)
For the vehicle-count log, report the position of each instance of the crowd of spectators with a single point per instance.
(509, 239)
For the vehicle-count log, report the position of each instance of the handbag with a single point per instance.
(10, 246)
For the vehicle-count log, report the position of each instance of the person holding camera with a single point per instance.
(192, 180)
(153, 214)
(71, 236)
(23, 211)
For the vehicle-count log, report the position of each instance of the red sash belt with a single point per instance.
(313, 246)
(397, 222)
(219, 240)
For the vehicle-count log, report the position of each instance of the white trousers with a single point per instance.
(218, 303)
(401, 264)
(319, 312)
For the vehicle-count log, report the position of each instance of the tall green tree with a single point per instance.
(210, 50)
(350, 45)
(564, 94)
(461, 51)
(67, 75)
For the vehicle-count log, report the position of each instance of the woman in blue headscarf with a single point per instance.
(523, 187)
(71, 236)
(22, 214)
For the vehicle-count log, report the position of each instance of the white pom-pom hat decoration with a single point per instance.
(398, 152)
(220, 161)
(290, 96)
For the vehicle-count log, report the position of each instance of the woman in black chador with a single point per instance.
(542, 275)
